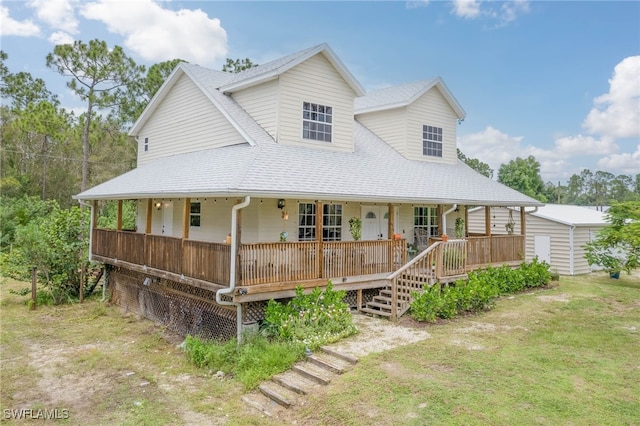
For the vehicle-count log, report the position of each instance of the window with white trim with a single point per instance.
(146, 144)
(316, 122)
(432, 141)
(194, 215)
(426, 218)
(306, 222)
(331, 222)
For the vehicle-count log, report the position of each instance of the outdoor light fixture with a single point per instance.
(281, 203)
(158, 205)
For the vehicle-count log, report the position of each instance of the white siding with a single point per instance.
(560, 247)
(499, 218)
(185, 121)
(390, 126)
(315, 81)
(261, 102)
(433, 110)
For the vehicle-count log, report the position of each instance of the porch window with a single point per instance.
(316, 122)
(331, 222)
(432, 141)
(426, 219)
(306, 222)
(194, 216)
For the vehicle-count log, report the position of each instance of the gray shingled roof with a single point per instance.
(374, 172)
(403, 95)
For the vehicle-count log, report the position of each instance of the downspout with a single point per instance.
(232, 274)
(444, 218)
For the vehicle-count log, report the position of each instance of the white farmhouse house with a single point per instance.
(247, 186)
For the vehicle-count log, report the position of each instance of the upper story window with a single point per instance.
(146, 144)
(432, 141)
(316, 122)
(194, 216)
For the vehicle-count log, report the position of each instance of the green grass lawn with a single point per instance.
(568, 355)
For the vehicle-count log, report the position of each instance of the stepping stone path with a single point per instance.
(289, 388)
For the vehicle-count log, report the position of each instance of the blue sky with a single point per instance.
(557, 80)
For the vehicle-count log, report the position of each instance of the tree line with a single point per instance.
(587, 188)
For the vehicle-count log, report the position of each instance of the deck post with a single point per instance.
(119, 216)
(148, 220)
(466, 221)
(390, 222)
(320, 254)
(523, 232)
(359, 300)
(186, 218)
(487, 229)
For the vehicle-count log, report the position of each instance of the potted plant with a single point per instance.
(355, 227)
(613, 259)
(459, 227)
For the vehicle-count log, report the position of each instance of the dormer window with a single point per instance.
(432, 141)
(316, 122)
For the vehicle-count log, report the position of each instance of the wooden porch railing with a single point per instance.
(258, 263)
(263, 263)
(195, 259)
(494, 249)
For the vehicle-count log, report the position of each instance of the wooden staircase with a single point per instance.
(382, 304)
(441, 262)
(289, 388)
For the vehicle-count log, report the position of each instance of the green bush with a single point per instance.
(251, 362)
(478, 292)
(312, 319)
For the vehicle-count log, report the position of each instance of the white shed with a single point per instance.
(556, 233)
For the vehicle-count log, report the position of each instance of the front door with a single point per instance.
(375, 222)
(167, 218)
(542, 248)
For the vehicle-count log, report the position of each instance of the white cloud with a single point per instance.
(60, 37)
(11, 27)
(57, 14)
(617, 114)
(569, 146)
(625, 163)
(491, 146)
(507, 12)
(158, 34)
(466, 8)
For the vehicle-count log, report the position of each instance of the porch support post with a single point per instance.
(441, 229)
(147, 225)
(392, 220)
(185, 218)
(238, 241)
(94, 215)
(320, 254)
(487, 221)
(466, 221)
(523, 232)
(119, 216)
